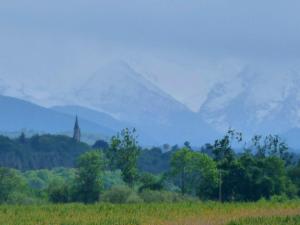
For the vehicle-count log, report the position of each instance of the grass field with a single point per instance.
(288, 220)
(154, 214)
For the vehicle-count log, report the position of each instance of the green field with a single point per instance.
(154, 214)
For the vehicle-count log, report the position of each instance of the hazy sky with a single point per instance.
(184, 46)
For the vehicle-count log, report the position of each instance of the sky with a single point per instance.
(185, 47)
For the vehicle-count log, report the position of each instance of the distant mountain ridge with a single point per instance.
(16, 115)
(255, 103)
(116, 96)
(126, 95)
(128, 98)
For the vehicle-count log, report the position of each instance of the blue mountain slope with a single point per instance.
(16, 115)
(94, 116)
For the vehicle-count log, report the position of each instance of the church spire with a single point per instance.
(77, 133)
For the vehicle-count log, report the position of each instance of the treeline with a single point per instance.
(40, 152)
(265, 169)
(52, 151)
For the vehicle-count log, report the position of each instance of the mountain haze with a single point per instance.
(18, 115)
(255, 103)
(118, 90)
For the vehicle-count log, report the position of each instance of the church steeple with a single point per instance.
(77, 133)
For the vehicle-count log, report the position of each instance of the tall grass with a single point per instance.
(289, 220)
(188, 213)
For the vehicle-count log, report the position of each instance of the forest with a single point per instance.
(57, 169)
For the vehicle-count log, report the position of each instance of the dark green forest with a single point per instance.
(58, 169)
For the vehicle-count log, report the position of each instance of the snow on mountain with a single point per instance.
(120, 91)
(255, 102)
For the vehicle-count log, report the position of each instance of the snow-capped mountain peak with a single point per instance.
(255, 103)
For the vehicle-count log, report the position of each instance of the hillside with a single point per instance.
(16, 115)
(40, 152)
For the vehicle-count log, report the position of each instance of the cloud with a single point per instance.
(198, 42)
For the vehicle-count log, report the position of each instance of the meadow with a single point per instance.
(188, 213)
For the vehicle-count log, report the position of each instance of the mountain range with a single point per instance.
(20, 115)
(116, 96)
(256, 103)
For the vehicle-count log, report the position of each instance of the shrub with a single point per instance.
(111, 179)
(59, 192)
(18, 198)
(134, 198)
(10, 182)
(117, 195)
(279, 198)
(150, 196)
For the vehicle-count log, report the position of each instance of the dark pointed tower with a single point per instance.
(77, 133)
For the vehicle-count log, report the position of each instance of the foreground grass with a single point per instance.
(289, 220)
(148, 214)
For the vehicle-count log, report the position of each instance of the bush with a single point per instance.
(150, 196)
(111, 179)
(279, 198)
(117, 195)
(10, 182)
(134, 198)
(18, 198)
(59, 192)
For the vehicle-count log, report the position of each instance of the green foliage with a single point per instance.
(123, 154)
(271, 145)
(134, 198)
(40, 152)
(150, 196)
(59, 192)
(179, 164)
(289, 220)
(222, 149)
(150, 181)
(154, 160)
(88, 181)
(196, 172)
(117, 194)
(10, 183)
(112, 178)
(279, 198)
(294, 175)
(263, 171)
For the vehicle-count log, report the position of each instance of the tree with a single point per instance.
(10, 182)
(88, 181)
(271, 145)
(151, 182)
(123, 154)
(179, 166)
(222, 149)
(100, 144)
(59, 192)
(202, 176)
(22, 138)
(187, 144)
(294, 175)
(197, 173)
(227, 164)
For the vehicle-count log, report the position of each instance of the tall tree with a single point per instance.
(88, 182)
(179, 166)
(10, 182)
(196, 172)
(123, 154)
